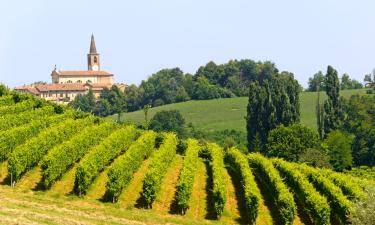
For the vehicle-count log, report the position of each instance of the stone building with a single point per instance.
(66, 85)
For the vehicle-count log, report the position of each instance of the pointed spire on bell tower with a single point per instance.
(92, 45)
(93, 58)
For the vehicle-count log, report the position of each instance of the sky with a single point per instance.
(137, 38)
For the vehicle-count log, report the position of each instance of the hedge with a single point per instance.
(270, 177)
(218, 177)
(186, 178)
(158, 167)
(12, 120)
(315, 204)
(239, 164)
(61, 157)
(98, 158)
(28, 155)
(122, 170)
(14, 137)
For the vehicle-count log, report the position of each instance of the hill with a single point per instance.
(53, 171)
(229, 113)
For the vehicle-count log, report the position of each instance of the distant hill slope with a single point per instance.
(229, 113)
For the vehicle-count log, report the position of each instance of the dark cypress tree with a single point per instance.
(333, 115)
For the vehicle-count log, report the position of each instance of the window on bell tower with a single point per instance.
(95, 59)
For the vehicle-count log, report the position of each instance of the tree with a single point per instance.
(347, 83)
(316, 82)
(315, 157)
(333, 115)
(3, 89)
(290, 142)
(338, 146)
(171, 121)
(273, 100)
(85, 102)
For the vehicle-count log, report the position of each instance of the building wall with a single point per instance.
(61, 95)
(73, 79)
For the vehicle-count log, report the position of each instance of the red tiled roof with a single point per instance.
(28, 88)
(84, 73)
(61, 87)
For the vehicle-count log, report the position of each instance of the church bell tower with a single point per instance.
(93, 58)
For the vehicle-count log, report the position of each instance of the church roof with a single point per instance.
(92, 45)
(84, 73)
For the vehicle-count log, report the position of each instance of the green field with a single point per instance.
(229, 113)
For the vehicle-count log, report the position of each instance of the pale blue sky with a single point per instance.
(137, 38)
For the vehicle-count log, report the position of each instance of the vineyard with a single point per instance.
(154, 178)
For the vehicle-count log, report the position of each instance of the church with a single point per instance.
(66, 85)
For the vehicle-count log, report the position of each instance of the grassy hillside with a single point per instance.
(229, 113)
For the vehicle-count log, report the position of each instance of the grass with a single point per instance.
(229, 113)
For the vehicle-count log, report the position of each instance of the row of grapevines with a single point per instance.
(17, 108)
(14, 137)
(28, 155)
(270, 177)
(239, 164)
(62, 156)
(11, 120)
(158, 167)
(348, 184)
(99, 157)
(186, 179)
(6, 100)
(340, 205)
(218, 177)
(122, 170)
(315, 204)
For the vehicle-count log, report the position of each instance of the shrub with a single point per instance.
(316, 205)
(127, 164)
(62, 156)
(99, 157)
(170, 121)
(158, 167)
(270, 178)
(338, 145)
(28, 155)
(239, 164)
(186, 178)
(17, 108)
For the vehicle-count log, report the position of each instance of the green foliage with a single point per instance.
(239, 164)
(338, 145)
(122, 170)
(340, 205)
(218, 177)
(272, 101)
(12, 120)
(347, 83)
(270, 178)
(360, 121)
(28, 155)
(315, 157)
(315, 205)
(186, 178)
(101, 155)
(333, 115)
(317, 82)
(4, 90)
(170, 121)
(17, 136)
(17, 108)
(365, 172)
(290, 142)
(85, 102)
(364, 209)
(6, 100)
(348, 184)
(62, 156)
(158, 167)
